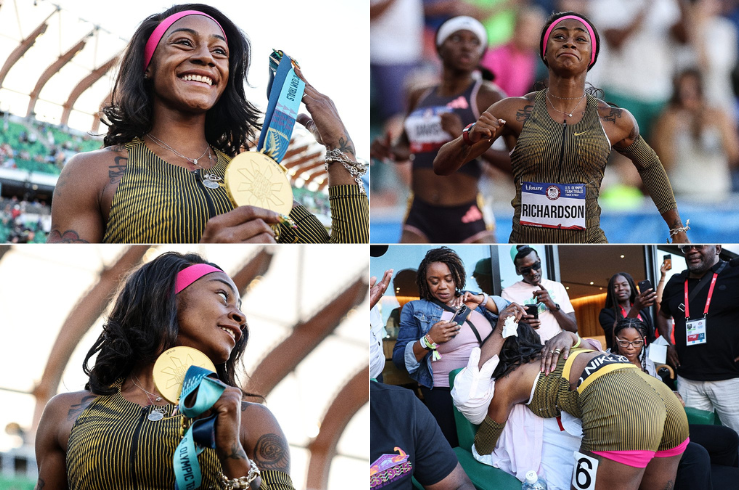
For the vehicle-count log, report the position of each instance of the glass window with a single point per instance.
(404, 260)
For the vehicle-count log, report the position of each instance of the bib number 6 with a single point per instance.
(583, 475)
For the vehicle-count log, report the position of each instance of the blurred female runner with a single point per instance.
(445, 210)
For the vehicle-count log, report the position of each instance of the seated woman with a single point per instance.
(623, 301)
(601, 390)
(429, 344)
(178, 115)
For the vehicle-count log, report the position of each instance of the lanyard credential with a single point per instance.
(708, 300)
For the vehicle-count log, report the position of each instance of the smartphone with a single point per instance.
(667, 260)
(461, 316)
(532, 310)
(644, 285)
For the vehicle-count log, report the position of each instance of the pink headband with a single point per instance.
(191, 274)
(156, 36)
(587, 26)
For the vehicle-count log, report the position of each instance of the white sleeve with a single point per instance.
(474, 388)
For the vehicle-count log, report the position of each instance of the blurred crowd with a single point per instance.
(39, 147)
(24, 221)
(672, 63)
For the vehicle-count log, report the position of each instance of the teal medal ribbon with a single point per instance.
(285, 90)
(201, 433)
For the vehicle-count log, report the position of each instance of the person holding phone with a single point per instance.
(624, 301)
(555, 312)
(430, 343)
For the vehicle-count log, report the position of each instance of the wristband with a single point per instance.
(466, 134)
(579, 340)
(431, 346)
(484, 299)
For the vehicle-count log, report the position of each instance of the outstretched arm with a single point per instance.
(653, 176)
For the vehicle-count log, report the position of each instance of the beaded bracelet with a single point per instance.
(244, 481)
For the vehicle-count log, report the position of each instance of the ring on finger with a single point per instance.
(557, 351)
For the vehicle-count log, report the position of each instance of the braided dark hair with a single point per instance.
(143, 324)
(518, 350)
(523, 251)
(447, 256)
(640, 327)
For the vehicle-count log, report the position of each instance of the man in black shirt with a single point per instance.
(706, 349)
(406, 441)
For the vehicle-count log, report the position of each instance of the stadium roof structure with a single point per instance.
(59, 68)
(307, 351)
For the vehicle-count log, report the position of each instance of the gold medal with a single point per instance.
(171, 367)
(254, 179)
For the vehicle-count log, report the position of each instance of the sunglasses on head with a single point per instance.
(525, 271)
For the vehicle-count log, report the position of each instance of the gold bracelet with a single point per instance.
(244, 481)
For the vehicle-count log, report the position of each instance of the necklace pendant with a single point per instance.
(158, 399)
(155, 415)
(211, 181)
(569, 115)
(195, 162)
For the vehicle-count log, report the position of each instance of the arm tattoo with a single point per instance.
(69, 236)
(237, 452)
(76, 409)
(272, 453)
(524, 114)
(61, 183)
(40, 484)
(613, 114)
(118, 169)
(346, 145)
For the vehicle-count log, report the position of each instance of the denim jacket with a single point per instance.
(416, 319)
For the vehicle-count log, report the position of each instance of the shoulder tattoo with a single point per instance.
(69, 236)
(523, 114)
(118, 169)
(613, 114)
(272, 453)
(76, 409)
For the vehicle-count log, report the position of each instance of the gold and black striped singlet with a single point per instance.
(621, 407)
(548, 151)
(114, 445)
(552, 152)
(156, 202)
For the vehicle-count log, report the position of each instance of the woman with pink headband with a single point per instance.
(563, 136)
(178, 114)
(120, 432)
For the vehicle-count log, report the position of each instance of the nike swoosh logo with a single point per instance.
(578, 134)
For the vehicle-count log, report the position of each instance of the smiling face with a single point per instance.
(209, 316)
(441, 282)
(190, 66)
(569, 46)
(621, 289)
(461, 51)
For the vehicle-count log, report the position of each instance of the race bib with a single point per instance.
(583, 475)
(423, 127)
(695, 330)
(553, 205)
